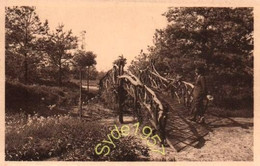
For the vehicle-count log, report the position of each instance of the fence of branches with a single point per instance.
(141, 93)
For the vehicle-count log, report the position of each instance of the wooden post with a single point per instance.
(156, 114)
(135, 102)
(121, 93)
(88, 77)
(120, 100)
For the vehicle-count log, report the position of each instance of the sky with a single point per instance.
(112, 29)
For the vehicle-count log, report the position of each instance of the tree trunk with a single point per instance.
(25, 69)
(60, 81)
(25, 56)
(80, 95)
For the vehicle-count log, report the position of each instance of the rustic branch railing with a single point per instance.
(141, 95)
(142, 90)
(181, 89)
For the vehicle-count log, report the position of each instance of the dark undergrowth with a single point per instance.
(36, 138)
(42, 99)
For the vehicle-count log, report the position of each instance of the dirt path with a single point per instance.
(229, 139)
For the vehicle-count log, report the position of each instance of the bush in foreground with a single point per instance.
(65, 137)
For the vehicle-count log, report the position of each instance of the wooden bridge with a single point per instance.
(165, 103)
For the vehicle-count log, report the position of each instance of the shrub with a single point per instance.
(69, 138)
(39, 98)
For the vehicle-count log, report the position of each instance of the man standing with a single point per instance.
(199, 93)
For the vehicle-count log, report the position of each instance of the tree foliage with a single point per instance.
(34, 54)
(120, 61)
(140, 62)
(58, 46)
(84, 59)
(23, 29)
(221, 39)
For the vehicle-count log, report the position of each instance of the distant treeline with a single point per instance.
(36, 55)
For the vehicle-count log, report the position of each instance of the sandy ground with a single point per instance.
(229, 140)
(223, 143)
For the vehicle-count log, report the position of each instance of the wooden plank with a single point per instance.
(180, 131)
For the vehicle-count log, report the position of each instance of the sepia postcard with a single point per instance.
(129, 82)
